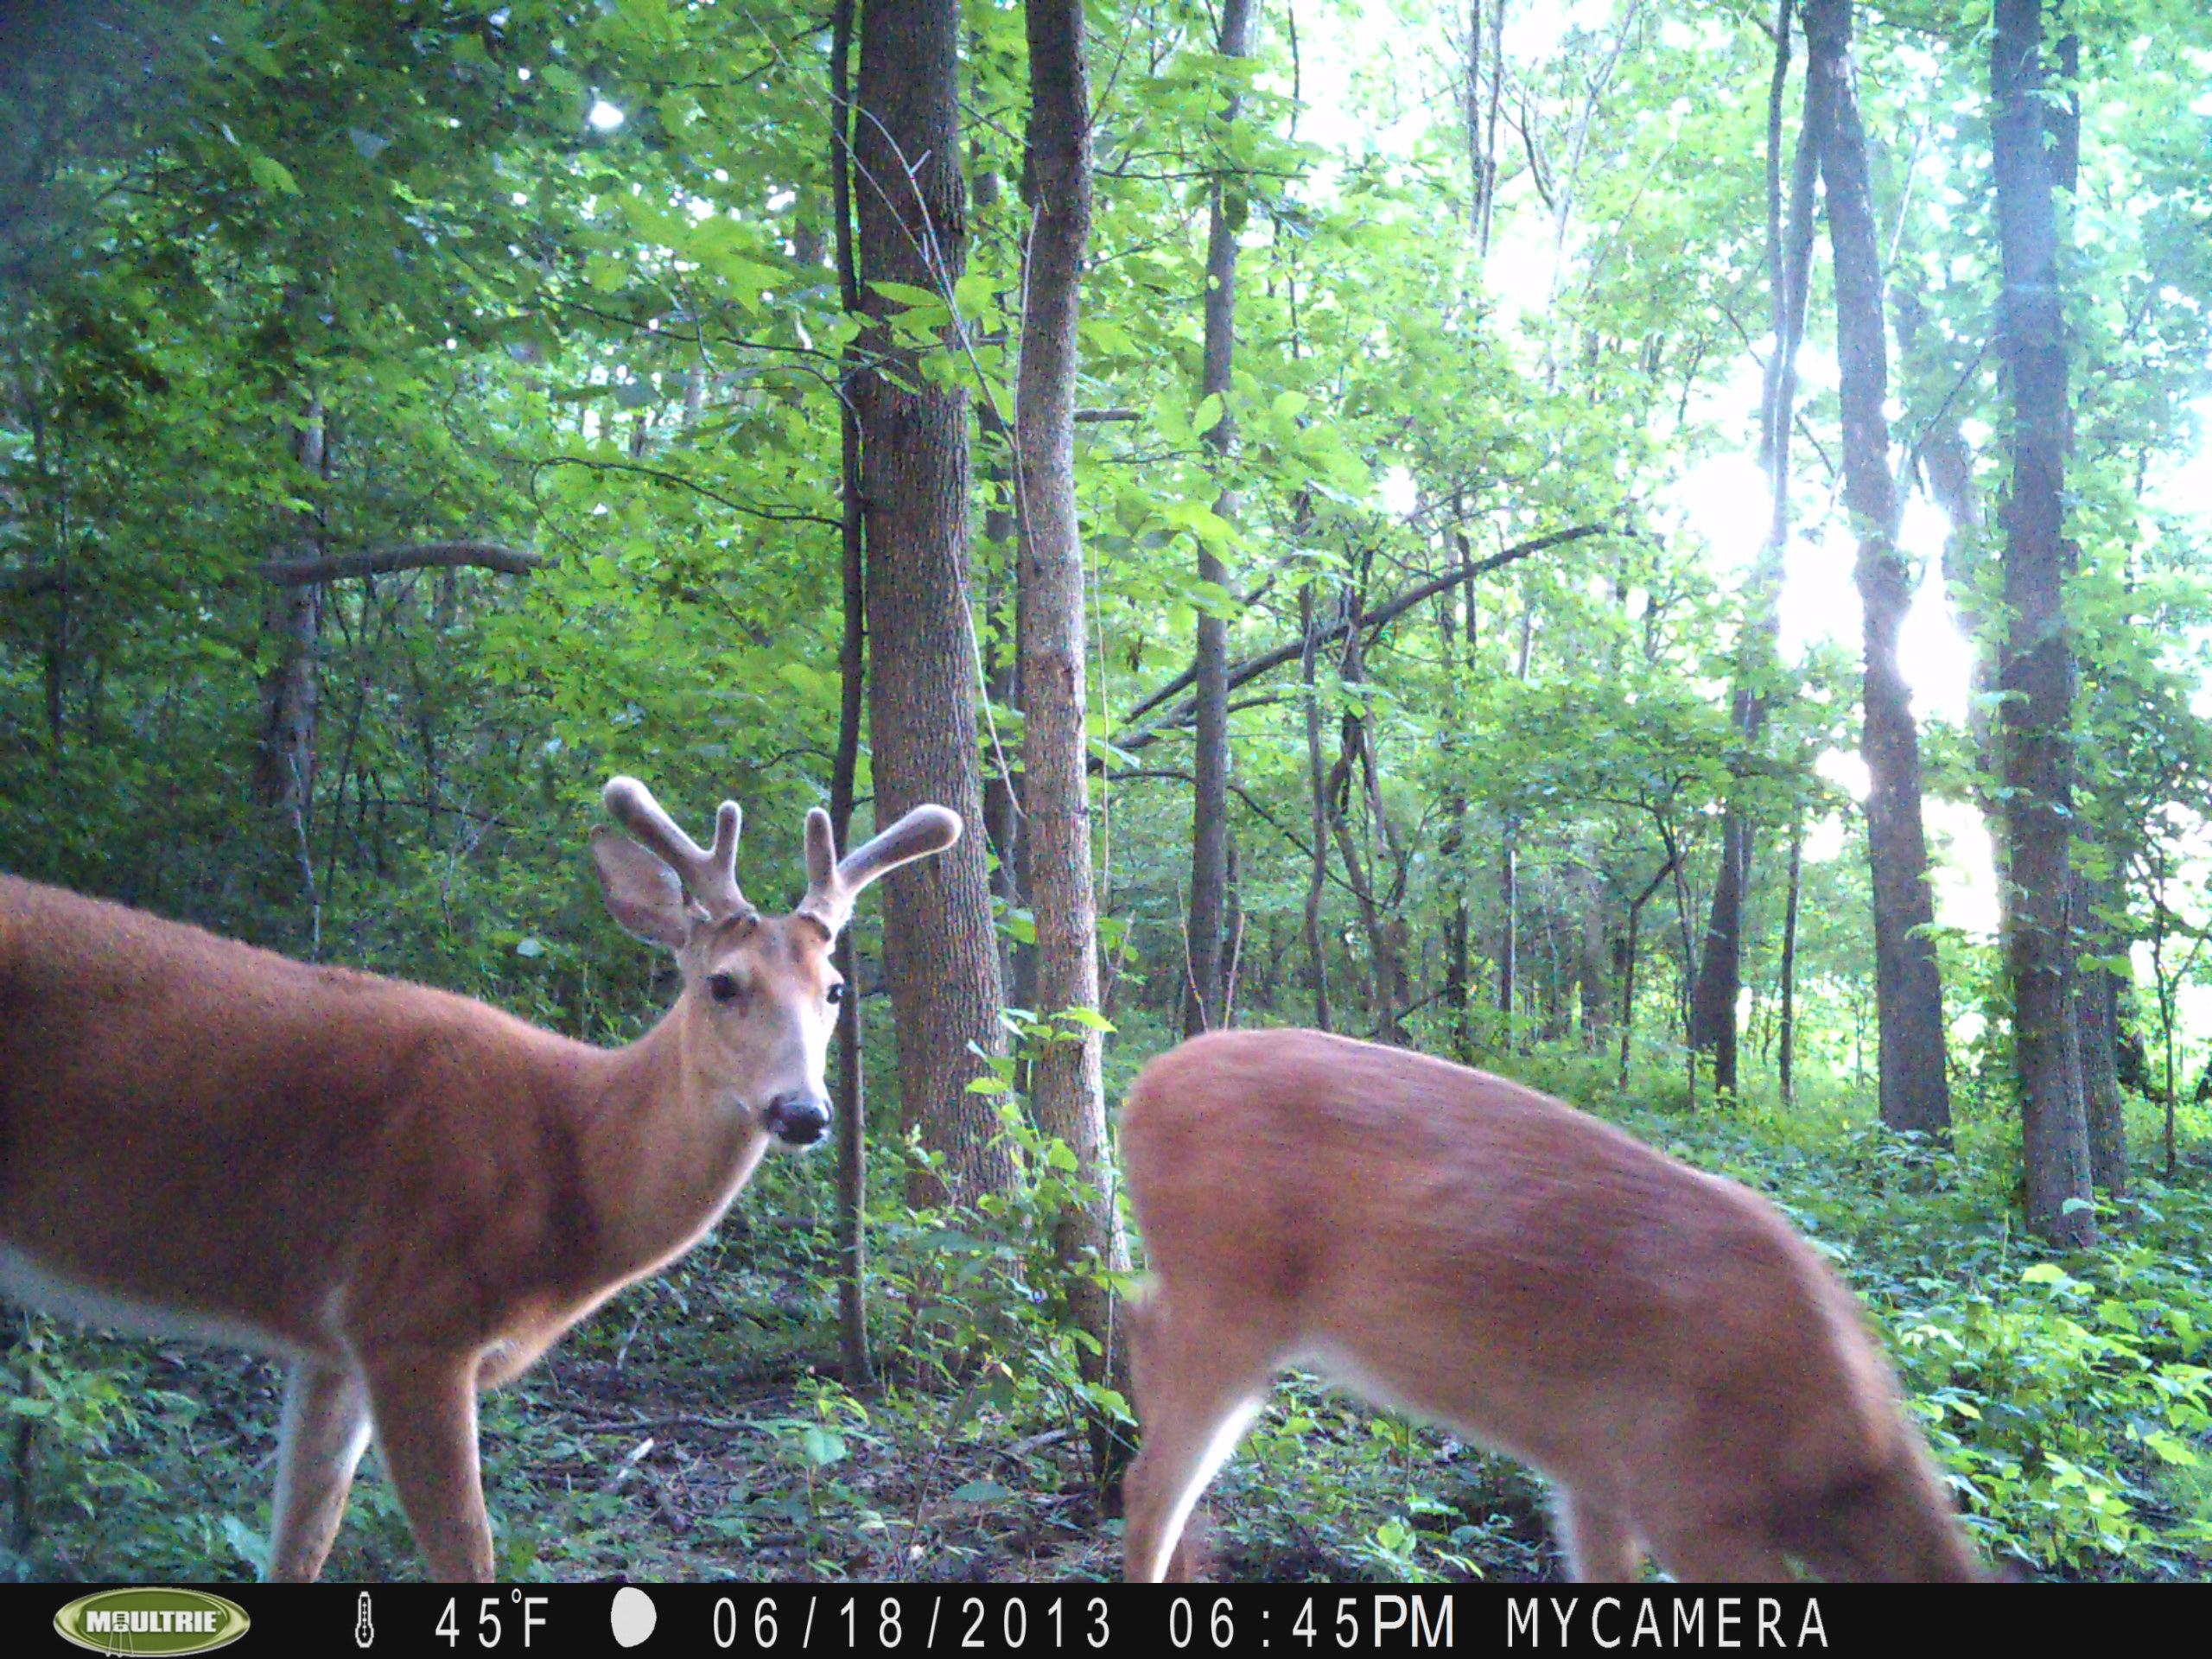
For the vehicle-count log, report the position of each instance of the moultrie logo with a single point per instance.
(152, 1620)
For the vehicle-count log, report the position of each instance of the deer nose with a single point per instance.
(796, 1119)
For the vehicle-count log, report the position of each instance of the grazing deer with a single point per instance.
(405, 1195)
(1656, 1340)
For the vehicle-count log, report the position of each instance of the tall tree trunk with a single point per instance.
(283, 771)
(1490, 125)
(1004, 817)
(2096, 1015)
(2036, 670)
(1067, 1090)
(1508, 866)
(1721, 964)
(1628, 964)
(1508, 932)
(1719, 983)
(1786, 1036)
(1317, 780)
(1206, 993)
(1591, 954)
(1914, 1091)
(850, 1101)
(938, 943)
(1451, 844)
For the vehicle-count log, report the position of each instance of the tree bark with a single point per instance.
(938, 942)
(1317, 779)
(1205, 992)
(1451, 844)
(1628, 964)
(1592, 937)
(2036, 672)
(1721, 964)
(1068, 1091)
(1490, 125)
(284, 773)
(2096, 1015)
(1786, 1035)
(1914, 1091)
(1386, 965)
(850, 1099)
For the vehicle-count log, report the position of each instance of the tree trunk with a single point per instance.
(1628, 964)
(1786, 1035)
(1913, 1090)
(1508, 866)
(1720, 965)
(2096, 1013)
(2036, 671)
(284, 771)
(1317, 780)
(1509, 931)
(1067, 1090)
(1490, 126)
(938, 941)
(1719, 983)
(1451, 844)
(1593, 956)
(850, 1103)
(1004, 820)
(1205, 991)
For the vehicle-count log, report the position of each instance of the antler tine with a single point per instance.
(832, 885)
(709, 875)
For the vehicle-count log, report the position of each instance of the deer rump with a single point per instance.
(1656, 1341)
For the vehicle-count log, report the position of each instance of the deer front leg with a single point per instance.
(425, 1408)
(324, 1429)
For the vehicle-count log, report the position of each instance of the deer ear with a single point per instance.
(642, 893)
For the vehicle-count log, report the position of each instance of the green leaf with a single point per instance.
(271, 174)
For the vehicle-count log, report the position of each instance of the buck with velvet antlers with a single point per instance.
(1656, 1340)
(405, 1195)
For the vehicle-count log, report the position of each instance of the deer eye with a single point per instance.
(723, 986)
(835, 993)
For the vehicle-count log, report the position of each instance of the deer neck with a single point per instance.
(664, 1150)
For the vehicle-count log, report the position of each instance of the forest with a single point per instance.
(1661, 548)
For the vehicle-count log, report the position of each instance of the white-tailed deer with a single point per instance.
(406, 1195)
(1685, 1371)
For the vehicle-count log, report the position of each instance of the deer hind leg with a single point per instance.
(1601, 1545)
(324, 1429)
(1198, 1390)
(425, 1410)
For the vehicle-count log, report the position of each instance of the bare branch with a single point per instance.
(1252, 667)
(412, 555)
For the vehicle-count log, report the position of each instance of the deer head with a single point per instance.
(760, 996)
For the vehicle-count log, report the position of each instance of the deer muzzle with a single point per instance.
(796, 1119)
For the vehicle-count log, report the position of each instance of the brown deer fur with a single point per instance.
(406, 1195)
(1687, 1371)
